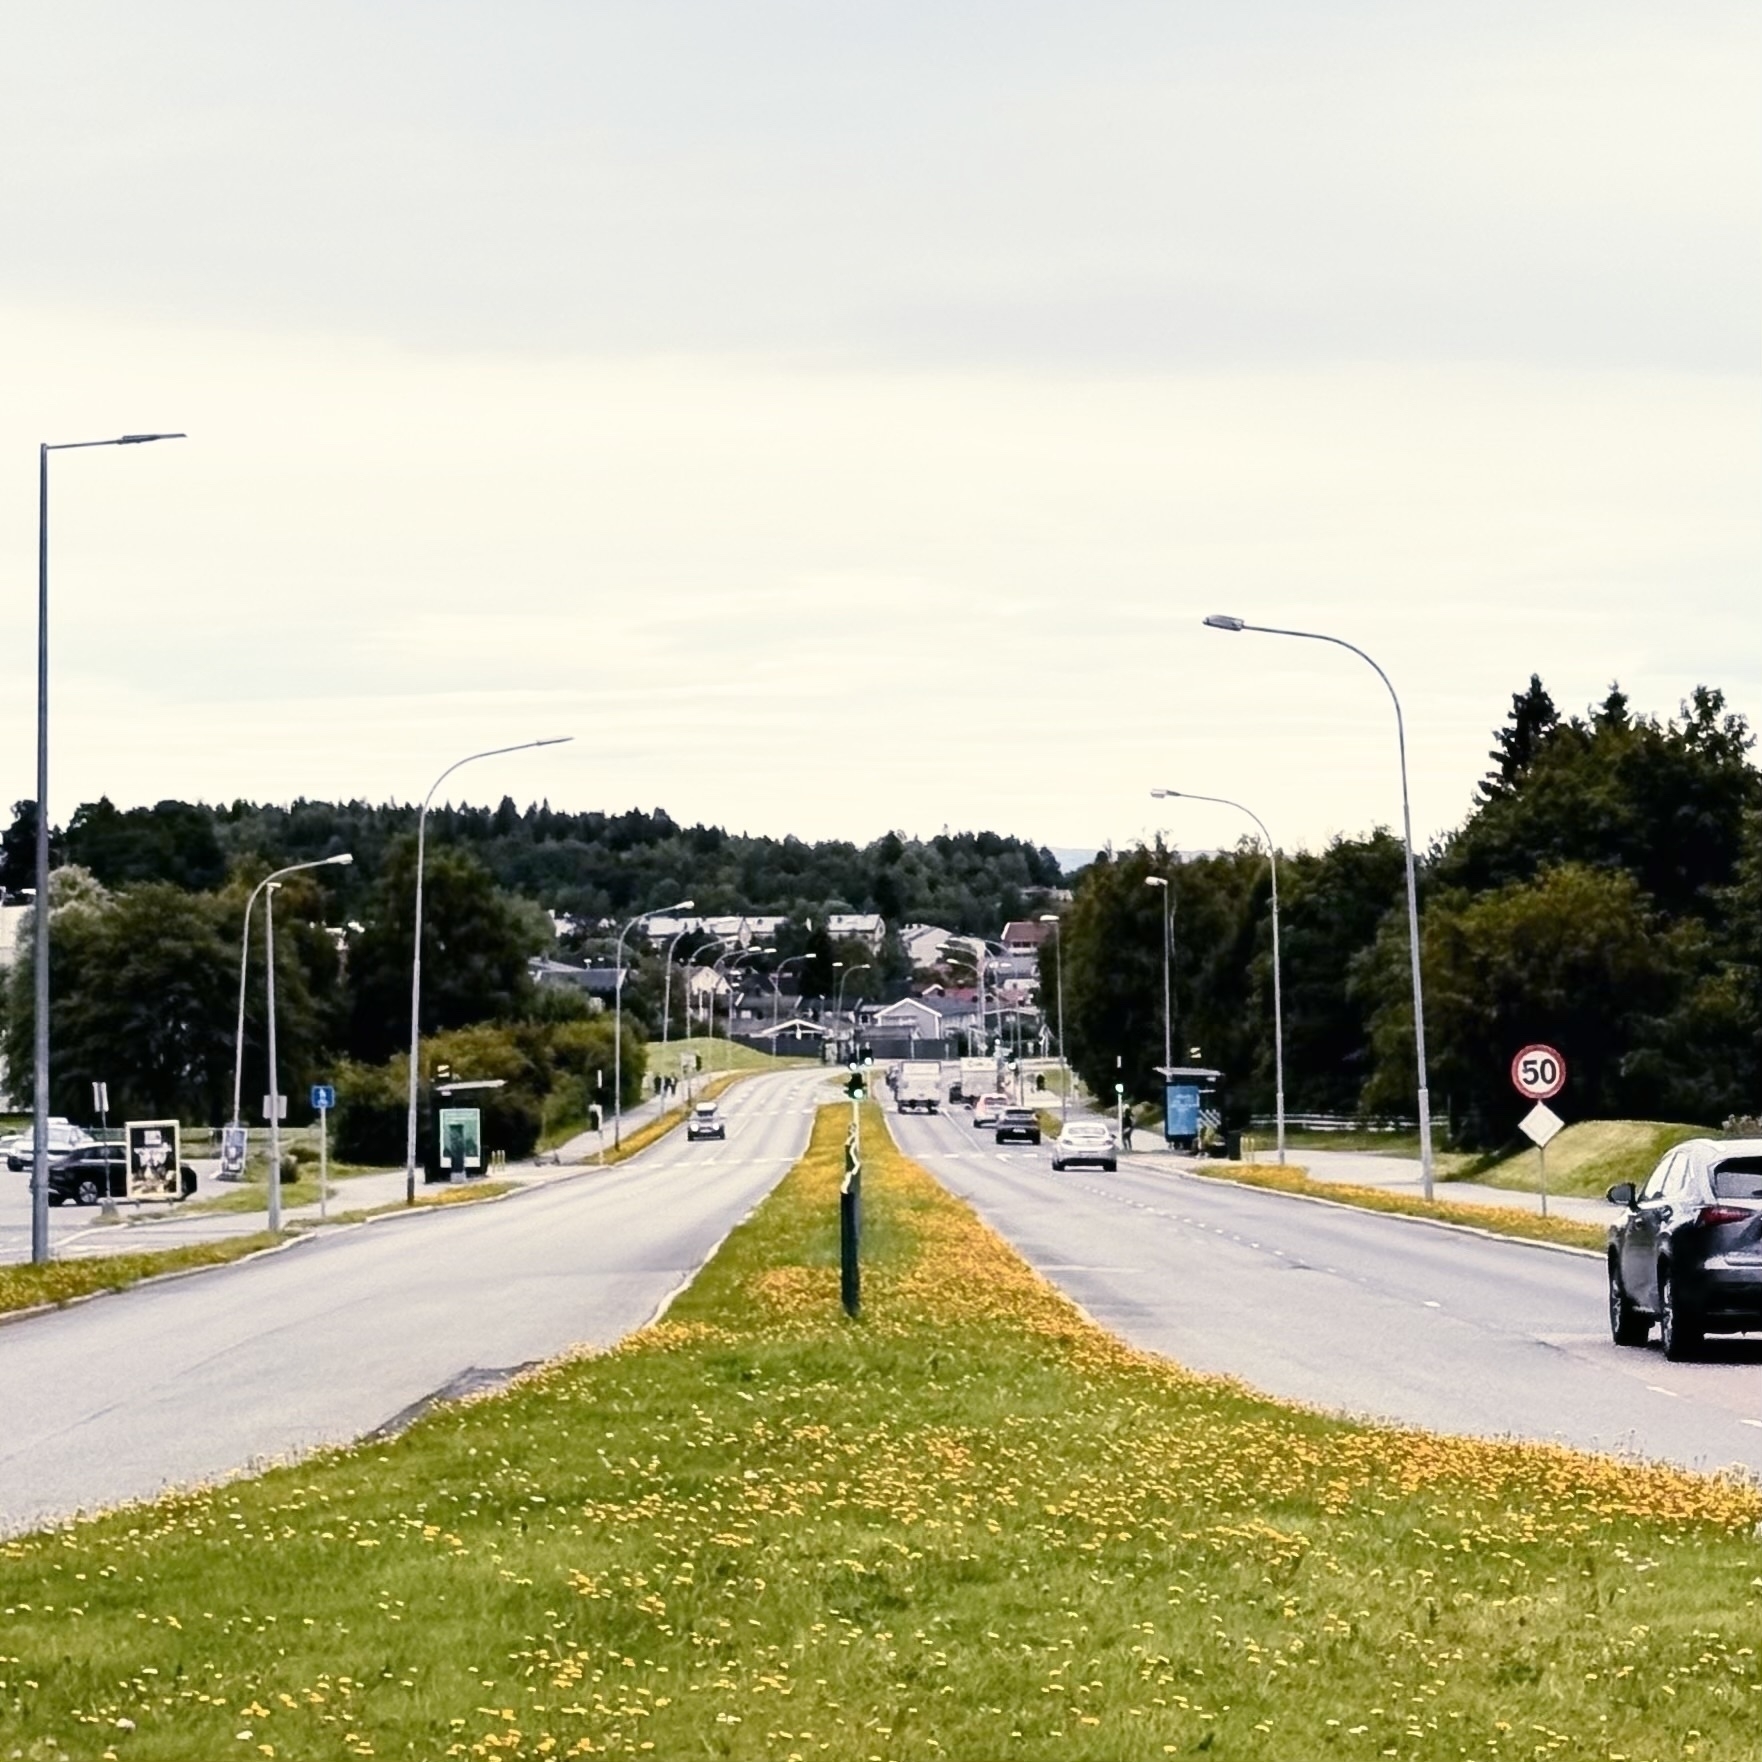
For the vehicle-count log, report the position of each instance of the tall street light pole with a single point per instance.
(40, 911)
(1272, 858)
(416, 952)
(270, 892)
(1168, 1038)
(1223, 621)
(667, 990)
(1058, 948)
(776, 978)
(238, 1055)
(843, 980)
(662, 911)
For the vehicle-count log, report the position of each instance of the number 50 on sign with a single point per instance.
(1538, 1072)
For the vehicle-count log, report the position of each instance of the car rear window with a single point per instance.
(1738, 1177)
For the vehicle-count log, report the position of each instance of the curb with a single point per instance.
(1406, 1217)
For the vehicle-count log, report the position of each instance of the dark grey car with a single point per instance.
(1687, 1251)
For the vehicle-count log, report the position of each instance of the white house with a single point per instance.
(869, 928)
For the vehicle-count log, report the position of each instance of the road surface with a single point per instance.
(198, 1378)
(1350, 1310)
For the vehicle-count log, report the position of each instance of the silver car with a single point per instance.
(1086, 1142)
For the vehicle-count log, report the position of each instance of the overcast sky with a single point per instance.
(840, 417)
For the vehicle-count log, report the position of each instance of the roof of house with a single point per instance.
(1028, 930)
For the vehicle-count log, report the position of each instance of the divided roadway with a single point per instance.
(194, 1379)
(1349, 1310)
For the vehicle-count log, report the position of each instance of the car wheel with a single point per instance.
(57, 1198)
(87, 1191)
(1110, 1168)
(1627, 1327)
(1035, 1139)
(1679, 1330)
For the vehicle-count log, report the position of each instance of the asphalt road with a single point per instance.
(1352, 1311)
(194, 1379)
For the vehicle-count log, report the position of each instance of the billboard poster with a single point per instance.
(1181, 1110)
(154, 1165)
(461, 1139)
(232, 1153)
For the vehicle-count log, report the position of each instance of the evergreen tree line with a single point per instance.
(1604, 895)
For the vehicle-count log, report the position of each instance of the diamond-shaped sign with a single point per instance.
(1540, 1124)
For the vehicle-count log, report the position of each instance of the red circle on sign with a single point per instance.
(1538, 1072)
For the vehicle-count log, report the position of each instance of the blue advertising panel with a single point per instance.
(1181, 1110)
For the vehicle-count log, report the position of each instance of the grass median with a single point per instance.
(1501, 1220)
(969, 1525)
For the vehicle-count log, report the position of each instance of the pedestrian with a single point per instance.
(1126, 1129)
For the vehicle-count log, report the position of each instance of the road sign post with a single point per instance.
(323, 1100)
(1538, 1073)
(850, 1218)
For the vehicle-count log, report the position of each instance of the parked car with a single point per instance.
(1019, 1125)
(1088, 1142)
(98, 1171)
(705, 1121)
(1687, 1251)
(63, 1137)
(988, 1109)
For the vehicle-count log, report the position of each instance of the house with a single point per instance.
(868, 928)
(924, 943)
(1025, 935)
(600, 983)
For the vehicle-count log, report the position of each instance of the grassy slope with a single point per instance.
(718, 1055)
(970, 1526)
(1586, 1158)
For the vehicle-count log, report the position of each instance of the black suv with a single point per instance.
(1688, 1252)
(98, 1171)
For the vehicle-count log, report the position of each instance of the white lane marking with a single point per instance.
(1430, 1304)
(1656, 1390)
(1750, 1422)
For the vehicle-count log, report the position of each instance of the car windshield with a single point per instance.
(706, 1110)
(1738, 1177)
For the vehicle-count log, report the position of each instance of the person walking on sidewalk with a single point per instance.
(1126, 1130)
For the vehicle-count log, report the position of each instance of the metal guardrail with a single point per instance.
(1339, 1122)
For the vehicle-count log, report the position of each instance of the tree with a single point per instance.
(476, 942)
(1533, 719)
(1665, 802)
(1574, 959)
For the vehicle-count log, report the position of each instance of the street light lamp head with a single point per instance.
(339, 862)
(1049, 917)
(1223, 621)
(1156, 880)
(555, 740)
(137, 440)
(1164, 794)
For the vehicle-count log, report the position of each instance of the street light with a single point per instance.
(776, 978)
(1168, 1039)
(1058, 952)
(416, 954)
(1223, 621)
(843, 979)
(660, 911)
(238, 1056)
(1278, 1004)
(40, 911)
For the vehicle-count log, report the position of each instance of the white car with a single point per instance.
(1088, 1142)
(705, 1121)
(988, 1109)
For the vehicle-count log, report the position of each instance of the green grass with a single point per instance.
(718, 1055)
(971, 1525)
(62, 1281)
(1587, 1158)
(1502, 1220)
(252, 1194)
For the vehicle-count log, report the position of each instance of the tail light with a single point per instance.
(1723, 1214)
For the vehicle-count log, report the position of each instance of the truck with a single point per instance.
(920, 1087)
(976, 1077)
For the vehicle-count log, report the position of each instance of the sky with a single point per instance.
(840, 418)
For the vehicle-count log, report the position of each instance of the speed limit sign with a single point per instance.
(1538, 1072)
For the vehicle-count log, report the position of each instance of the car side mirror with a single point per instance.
(1622, 1193)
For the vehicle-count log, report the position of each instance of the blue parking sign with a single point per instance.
(323, 1097)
